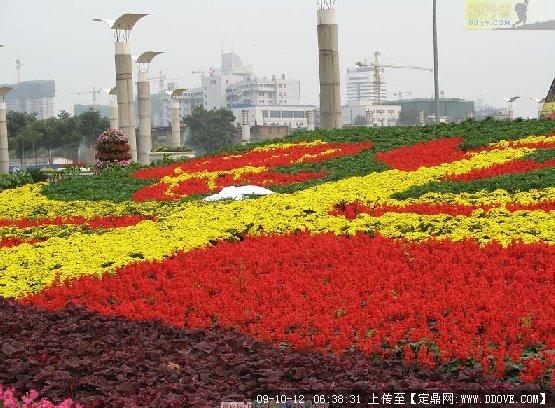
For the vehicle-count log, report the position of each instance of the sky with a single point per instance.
(57, 39)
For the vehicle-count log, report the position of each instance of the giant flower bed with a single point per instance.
(417, 263)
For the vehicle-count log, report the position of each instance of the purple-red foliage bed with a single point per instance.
(102, 361)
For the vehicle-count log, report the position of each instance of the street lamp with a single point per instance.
(4, 151)
(511, 101)
(113, 94)
(122, 27)
(436, 63)
(143, 96)
(176, 116)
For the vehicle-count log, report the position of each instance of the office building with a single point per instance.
(33, 97)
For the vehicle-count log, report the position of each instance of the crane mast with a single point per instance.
(378, 69)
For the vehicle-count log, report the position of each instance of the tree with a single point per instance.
(26, 140)
(360, 121)
(17, 121)
(409, 116)
(91, 125)
(69, 134)
(211, 130)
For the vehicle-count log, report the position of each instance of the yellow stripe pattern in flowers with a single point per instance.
(187, 225)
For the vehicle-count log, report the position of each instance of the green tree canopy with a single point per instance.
(211, 130)
(91, 125)
(409, 116)
(17, 121)
(359, 121)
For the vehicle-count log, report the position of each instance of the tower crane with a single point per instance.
(378, 69)
(18, 66)
(402, 94)
(94, 92)
(162, 81)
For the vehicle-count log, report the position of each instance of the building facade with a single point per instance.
(371, 114)
(235, 86)
(292, 116)
(33, 97)
(451, 110)
(361, 86)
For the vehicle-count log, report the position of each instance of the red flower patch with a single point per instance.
(100, 222)
(353, 210)
(517, 166)
(328, 293)
(14, 241)
(258, 158)
(425, 154)
(207, 174)
(159, 192)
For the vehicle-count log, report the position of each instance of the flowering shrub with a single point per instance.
(112, 149)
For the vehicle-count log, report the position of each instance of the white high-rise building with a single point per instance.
(360, 86)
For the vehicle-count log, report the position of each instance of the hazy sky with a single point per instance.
(56, 39)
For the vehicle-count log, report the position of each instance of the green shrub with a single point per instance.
(13, 180)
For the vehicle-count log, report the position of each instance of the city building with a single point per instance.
(104, 110)
(293, 116)
(483, 111)
(451, 110)
(33, 97)
(360, 85)
(363, 112)
(273, 100)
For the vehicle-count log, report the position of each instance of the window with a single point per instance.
(287, 114)
(275, 114)
(264, 113)
(299, 114)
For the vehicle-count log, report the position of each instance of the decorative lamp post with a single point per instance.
(143, 95)
(4, 151)
(176, 116)
(122, 27)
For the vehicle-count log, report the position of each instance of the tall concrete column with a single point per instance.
(330, 87)
(114, 114)
(310, 121)
(245, 126)
(145, 128)
(124, 84)
(4, 153)
(176, 124)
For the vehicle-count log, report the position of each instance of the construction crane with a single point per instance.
(18, 66)
(402, 94)
(378, 69)
(94, 92)
(162, 81)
